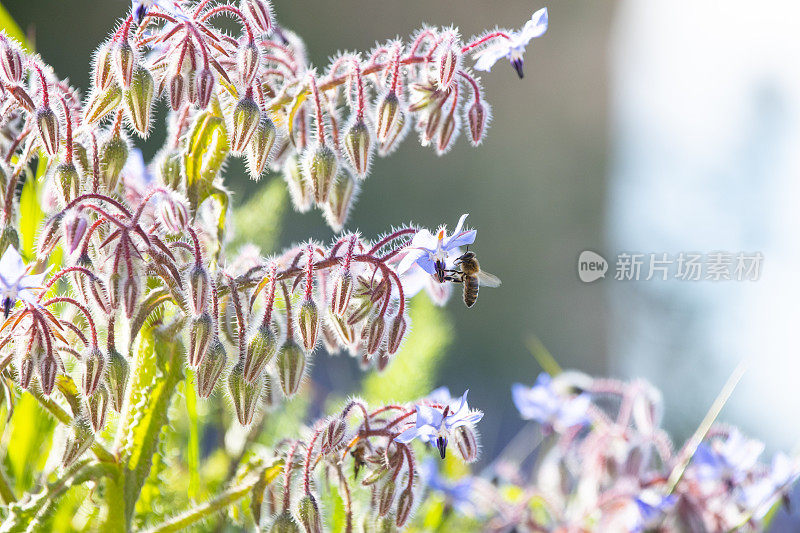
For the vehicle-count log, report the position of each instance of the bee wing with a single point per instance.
(488, 280)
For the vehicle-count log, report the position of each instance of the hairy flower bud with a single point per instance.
(394, 135)
(299, 188)
(432, 123)
(342, 291)
(211, 367)
(169, 169)
(205, 87)
(113, 156)
(48, 370)
(308, 322)
(259, 13)
(173, 216)
(291, 366)
(22, 98)
(260, 352)
(176, 90)
(260, 146)
(386, 496)
(201, 330)
(94, 365)
(358, 147)
(446, 134)
(68, 182)
(245, 394)
(476, 118)
(447, 64)
(345, 332)
(130, 295)
(199, 289)
(48, 238)
(246, 117)
(284, 523)
(466, 443)
(382, 360)
(404, 505)
(117, 372)
(308, 514)
(124, 62)
(375, 333)
(103, 68)
(320, 165)
(79, 441)
(47, 125)
(100, 294)
(97, 407)
(389, 113)
(27, 366)
(102, 102)
(139, 100)
(247, 62)
(342, 195)
(10, 63)
(333, 435)
(75, 226)
(397, 332)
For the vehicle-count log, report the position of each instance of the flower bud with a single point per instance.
(308, 322)
(97, 407)
(245, 394)
(68, 182)
(124, 61)
(258, 11)
(75, 226)
(375, 336)
(432, 124)
(394, 136)
(139, 100)
(308, 514)
(211, 367)
(130, 295)
(333, 435)
(26, 369)
(205, 87)
(260, 352)
(357, 147)
(388, 114)
(284, 523)
(319, 165)
(169, 169)
(386, 496)
(444, 142)
(342, 291)
(103, 69)
(246, 117)
(248, 60)
(47, 239)
(404, 505)
(343, 330)
(467, 443)
(397, 332)
(447, 64)
(173, 215)
(47, 124)
(476, 118)
(361, 312)
(79, 441)
(48, 370)
(176, 92)
(117, 373)
(343, 193)
(299, 189)
(94, 364)
(113, 156)
(10, 63)
(199, 289)
(260, 146)
(102, 102)
(382, 360)
(201, 330)
(100, 294)
(291, 366)
(423, 95)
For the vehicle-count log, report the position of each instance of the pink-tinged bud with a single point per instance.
(176, 92)
(260, 146)
(102, 102)
(48, 370)
(342, 196)
(404, 505)
(68, 181)
(173, 215)
(299, 189)
(388, 115)
(375, 336)
(117, 372)
(248, 61)
(360, 313)
(467, 443)
(291, 366)
(139, 100)
(382, 360)
(103, 68)
(246, 117)
(113, 156)
(100, 294)
(205, 87)
(320, 165)
(476, 118)
(94, 365)
(260, 351)
(333, 435)
(130, 295)
(423, 95)
(357, 147)
(386, 496)
(342, 291)
(11, 63)
(199, 289)
(397, 332)
(446, 137)
(259, 13)
(308, 323)
(308, 514)
(48, 238)
(284, 523)
(47, 124)
(124, 62)
(75, 226)
(27, 366)
(447, 64)
(97, 407)
(211, 367)
(245, 394)
(432, 124)
(201, 330)
(343, 330)
(394, 136)
(22, 98)
(79, 441)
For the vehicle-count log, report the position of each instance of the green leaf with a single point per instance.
(31, 215)
(11, 28)
(259, 220)
(29, 442)
(204, 156)
(193, 451)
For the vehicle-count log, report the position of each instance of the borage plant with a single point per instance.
(127, 296)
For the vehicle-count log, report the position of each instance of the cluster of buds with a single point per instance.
(372, 441)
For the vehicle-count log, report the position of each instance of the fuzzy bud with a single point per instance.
(397, 332)
(333, 436)
(245, 394)
(284, 523)
(79, 441)
(260, 352)
(432, 124)
(48, 238)
(130, 295)
(404, 505)
(388, 114)
(113, 156)
(102, 102)
(444, 142)
(345, 331)
(68, 182)
(320, 165)
(467, 443)
(343, 193)
(382, 360)
(299, 189)
(308, 514)
(26, 369)
(8, 237)
(386, 496)
(176, 91)
(199, 289)
(357, 147)
(10, 63)
(48, 370)
(248, 61)
(205, 87)
(173, 216)
(447, 64)
(94, 365)
(291, 366)
(342, 291)
(258, 11)
(211, 367)
(103, 68)
(375, 333)
(47, 124)
(139, 100)
(201, 330)
(260, 146)
(476, 118)
(97, 407)
(170, 169)
(75, 226)
(124, 62)
(117, 373)
(308, 322)
(100, 294)
(246, 118)
(394, 136)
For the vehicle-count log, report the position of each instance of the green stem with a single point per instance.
(6, 492)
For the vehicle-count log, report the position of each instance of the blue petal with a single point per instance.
(428, 416)
(426, 263)
(410, 258)
(407, 436)
(461, 239)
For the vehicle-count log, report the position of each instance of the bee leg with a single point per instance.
(454, 279)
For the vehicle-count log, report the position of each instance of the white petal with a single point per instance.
(12, 267)
(533, 28)
(485, 59)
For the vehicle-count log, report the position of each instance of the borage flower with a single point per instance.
(16, 282)
(514, 46)
(436, 253)
(730, 460)
(544, 404)
(458, 494)
(435, 426)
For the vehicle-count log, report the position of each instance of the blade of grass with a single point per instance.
(543, 356)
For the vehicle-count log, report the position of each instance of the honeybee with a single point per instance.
(471, 275)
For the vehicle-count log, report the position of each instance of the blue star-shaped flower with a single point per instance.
(514, 47)
(435, 253)
(544, 404)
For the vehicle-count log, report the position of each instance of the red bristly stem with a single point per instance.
(198, 254)
(79, 306)
(230, 9)
(309, 272)
(289, 323)
(307, 466)
(359, 89)
(476, 91)
(43, 81)
(270, 295)
(396, 62)
(60, 274)
(318, 107)
(484, 39)
(391, 237)
(287, 480)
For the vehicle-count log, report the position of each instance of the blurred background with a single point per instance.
(641, 125)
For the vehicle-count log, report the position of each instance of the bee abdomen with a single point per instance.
(470, 290)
